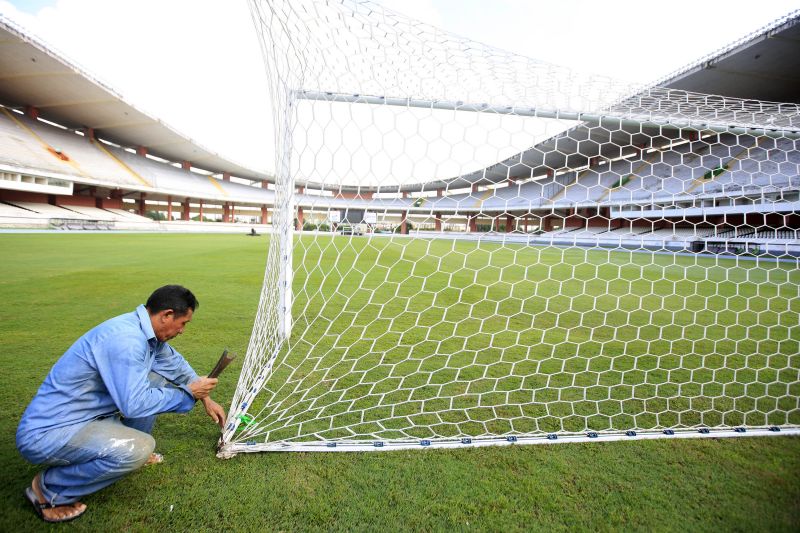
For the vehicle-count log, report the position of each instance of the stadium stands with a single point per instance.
(14, 216)
(126, 216)
(713, 170)
(69, 178)
(39, 147)
(49, 211)
(20, 150)
(88, 159)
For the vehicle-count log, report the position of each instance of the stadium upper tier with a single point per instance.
(726, 163)
(34, 147)
(35, 75)
(716, 164)
(20, 151)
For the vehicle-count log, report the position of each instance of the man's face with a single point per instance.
(167, 325)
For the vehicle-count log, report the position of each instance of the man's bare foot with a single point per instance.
(154, 459)
(51, 513)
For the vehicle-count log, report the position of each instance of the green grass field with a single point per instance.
(58, 286)
(420, 339)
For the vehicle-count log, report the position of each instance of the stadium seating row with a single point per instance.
(778, 241)
(712, 166)
(34, 146)
(46, 211)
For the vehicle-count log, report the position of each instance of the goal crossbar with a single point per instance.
(632, 121)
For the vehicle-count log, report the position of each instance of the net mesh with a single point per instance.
(493, 247)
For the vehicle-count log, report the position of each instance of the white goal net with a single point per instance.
(472, 247)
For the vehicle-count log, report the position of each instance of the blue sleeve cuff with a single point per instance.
(188, 401)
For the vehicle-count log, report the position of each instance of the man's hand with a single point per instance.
(202, 387)
(215, 411)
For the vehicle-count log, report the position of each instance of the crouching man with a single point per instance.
(91, 419)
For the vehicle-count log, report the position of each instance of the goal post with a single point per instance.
(473, 248)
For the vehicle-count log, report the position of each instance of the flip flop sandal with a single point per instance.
(39, 507)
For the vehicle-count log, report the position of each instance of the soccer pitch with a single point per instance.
(557, 309)
(433, 338)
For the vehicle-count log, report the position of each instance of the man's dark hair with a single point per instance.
(175, 297)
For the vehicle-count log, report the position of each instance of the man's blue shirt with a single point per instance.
(105, 372)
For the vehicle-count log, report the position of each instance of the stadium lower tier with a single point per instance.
(774, 234)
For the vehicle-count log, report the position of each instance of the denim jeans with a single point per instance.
(102, 452)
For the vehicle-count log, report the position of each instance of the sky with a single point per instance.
(196, 64)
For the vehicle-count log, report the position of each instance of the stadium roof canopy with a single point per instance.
(764, 65)
(32, 74)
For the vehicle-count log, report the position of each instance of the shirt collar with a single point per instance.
(147, 325)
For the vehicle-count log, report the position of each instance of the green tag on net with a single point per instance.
(246, 421)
